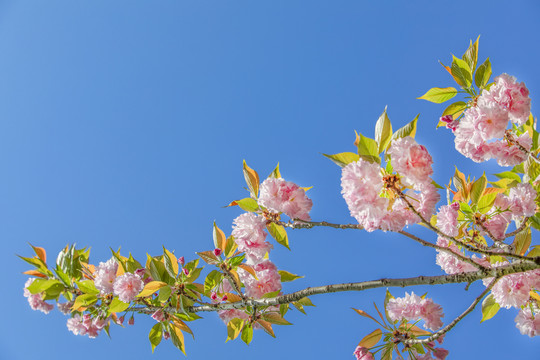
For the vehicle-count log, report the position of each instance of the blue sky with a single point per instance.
(124, 123)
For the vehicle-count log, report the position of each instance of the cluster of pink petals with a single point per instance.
(447, 219)
(36, 300)
(105, 275)
(411, 160)
(514, 290)
(65, 308)
(249, 235)
(479, 133)
(362, 184)
(127, 287)
(284, 196)
(362, 353)
(527, 322)
(520, 202)
(86, 325)
(413, 307)
(268, 281)
(449, 263)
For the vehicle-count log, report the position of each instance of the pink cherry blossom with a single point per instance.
(413, 307)
(449, 263)
(64, 308)
(248, 233)
(362, 353)
(284, 196)
(105, 275)
(86, 325)
(158, 315)
(268, 281)
(512, 290)
(527, 322)
(450, 122)
(228, 315)
(509, 154)
(36, 301)
(127, 287)
(512, 96)
(522, 200)
(447, 219)
(411, 161)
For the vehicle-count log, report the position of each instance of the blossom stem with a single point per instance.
(454, 322)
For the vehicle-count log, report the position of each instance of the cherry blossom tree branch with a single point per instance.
(467, 277)
(454, 322)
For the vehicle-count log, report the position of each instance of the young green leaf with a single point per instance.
(489, 308)
(383, 131)
(344, 158)
(439, 95)
(278, 232)
(483, 73)
(287, 276)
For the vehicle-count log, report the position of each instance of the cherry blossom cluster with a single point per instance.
(413, 307)
(372, 194)
(36, 301)
(479, 134)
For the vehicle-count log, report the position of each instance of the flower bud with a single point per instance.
(217, 252)
(224, 298)
(181, 260)
(120, 320)
(158, 315)
(140, 272)
(213, 296)
(131, 320)
(166, 335)
(185, 271)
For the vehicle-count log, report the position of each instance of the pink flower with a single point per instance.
(362, 353)
(185, 271)
(213, 296)
(361, 184)
(440, 353)
(411, 161)
(512, 290)
(86, 325)
(127, 287)
(228, 315)
(522, 200)
(248, 233)
(65, 308)
(166, 335)
(429, 197)
(413, 307)
(36, 301)
(181, 261)
(284, 196)
(105, 276)
(449, 263)
(512, 96)
(508, 154)
(450, 122)
(268, 281)
(158, 315)
(447, 219)
(527, 322)
(497, 225)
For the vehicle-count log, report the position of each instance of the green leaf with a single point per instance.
(275, 318)
(407, 130)
(439, 95)
(171, 262)
(151, 288)
(522, 241)
(483, 73)
(486, 202)
(489, 308)
(471, 55)
(386, 300)
(164, 294)
(155, 335)
(305, 301)
(87, 287)
(252, 180)
(535, 251)
(84, 300)
(234, 327)
(237, 260)
(371, 339)
(465, 208)
(535, 221)
(368, 149)
(219, 237)
(383, 131)
(117, 306)
(532, 168)
(477, 189)
(278, 232)
(275, 173)
(387, 352)
(246, 204)
(461, 72)
(177, 338)
(455, 109)
(247, 334)
(208, 257)
(344, 158)
(508, 175)
(40, 285)
(212, 280)
(287, 276)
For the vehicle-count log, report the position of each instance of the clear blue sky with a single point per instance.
(124, 123)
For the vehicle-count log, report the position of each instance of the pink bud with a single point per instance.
(440, 353)
(447, 118)
(166, 335)
(454, 205)
(186, 271)
(158, 315)
(224, 298)
(140, 272)
(217, 252)
(181, 260)
(131, 321)
(213, 296)
(121, 320)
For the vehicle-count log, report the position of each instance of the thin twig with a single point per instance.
(454, 322)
